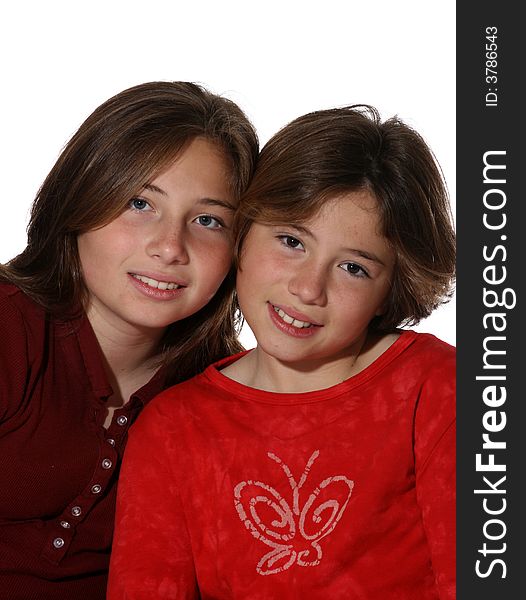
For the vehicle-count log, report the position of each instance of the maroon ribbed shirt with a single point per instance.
(58, 464)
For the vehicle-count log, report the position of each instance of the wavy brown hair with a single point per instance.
(125, 143)
(329, 152)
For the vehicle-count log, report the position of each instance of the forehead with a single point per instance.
(348, 210)
(202, 166)
(350, 222)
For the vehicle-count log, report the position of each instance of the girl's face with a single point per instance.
(166, 255)
(309, 292)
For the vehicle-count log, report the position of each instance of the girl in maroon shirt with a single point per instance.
(125, 287)
(321, 464)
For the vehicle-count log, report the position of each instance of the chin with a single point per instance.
(287, 355)
(153, 324)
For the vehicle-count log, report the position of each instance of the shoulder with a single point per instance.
(414, 359)
(186, 392)
(195, 400)
(21, 323)
(10, 295)
(172, 405)
(22, 320)
(430, 356)
(436, 403)
(13, 317)
(15, 304)
(434, 362)
(423, 369)
(432, 346)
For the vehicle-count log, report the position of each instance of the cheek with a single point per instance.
(251, 280)
(212, 263)
(257, 282)
(105, 244)
(243, 283)
(264, 264)
(359, 307)
(92, 252)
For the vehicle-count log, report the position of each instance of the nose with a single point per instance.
(167, 244)
(309, 284)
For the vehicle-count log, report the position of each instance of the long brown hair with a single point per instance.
(125, 143)
(330, 152)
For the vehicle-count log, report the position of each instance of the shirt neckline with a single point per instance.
(214, 375)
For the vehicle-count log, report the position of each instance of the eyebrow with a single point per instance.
(154, 188)
(367, 255)
(206, 201)
(217, 202)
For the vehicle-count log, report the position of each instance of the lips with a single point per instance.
(157, 284)
(291, 320)
(293, 317)
(295, 325)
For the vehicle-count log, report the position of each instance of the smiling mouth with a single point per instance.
(291, 320)
(158, 285)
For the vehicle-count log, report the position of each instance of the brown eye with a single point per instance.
(354, 269)
(290, 241)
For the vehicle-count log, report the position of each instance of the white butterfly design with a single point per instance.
(293, 534)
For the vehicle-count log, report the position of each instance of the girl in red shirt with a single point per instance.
(125, 287)
(320, 464)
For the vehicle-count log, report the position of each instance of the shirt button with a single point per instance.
(111, 441)
(107, 464)
(76, 511)
(65, 524)
(122, 420)
(95, 489)
(58, 542)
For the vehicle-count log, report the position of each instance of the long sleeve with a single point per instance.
(435, 439)
(151, 556)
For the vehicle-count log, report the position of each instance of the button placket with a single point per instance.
(58, 541)
(118, 428)
(77, 512)
(63, 529)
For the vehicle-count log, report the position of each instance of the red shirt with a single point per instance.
(347, 493)
(58, 465)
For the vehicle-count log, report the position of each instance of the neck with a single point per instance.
(262, 371)
(126, 350)
(265, 372)
(272, 375)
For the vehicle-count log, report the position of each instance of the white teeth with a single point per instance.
(286, 317)
(300, 324)
(290, 320)
(161, 285)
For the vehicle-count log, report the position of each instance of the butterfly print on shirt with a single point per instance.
(293, 533)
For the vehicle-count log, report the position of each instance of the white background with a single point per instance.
(277, 59)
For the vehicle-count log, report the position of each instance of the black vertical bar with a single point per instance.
(491, 399)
